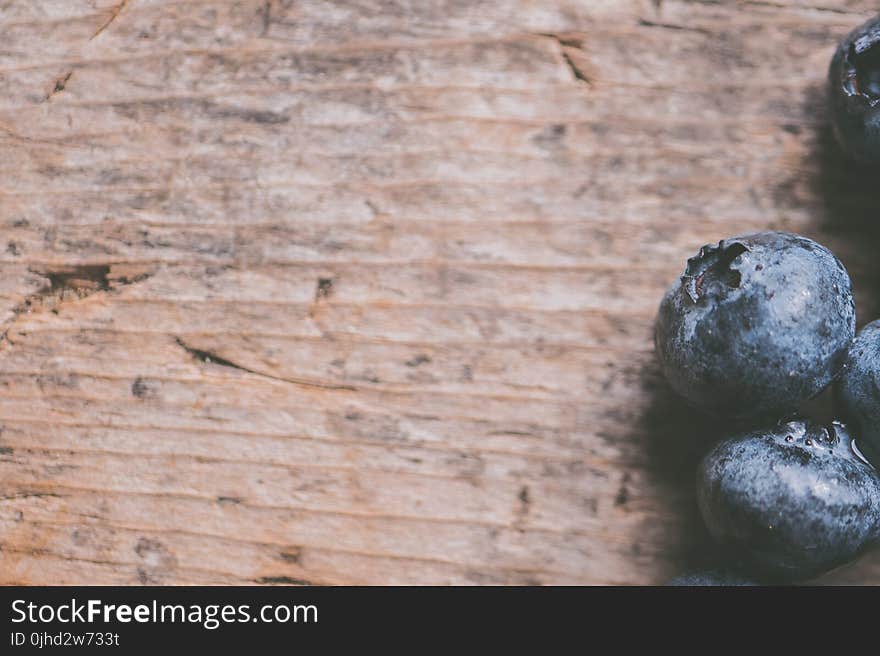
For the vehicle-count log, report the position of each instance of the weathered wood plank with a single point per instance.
(362, 292)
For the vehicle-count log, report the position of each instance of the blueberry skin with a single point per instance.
(712, 578)
(793, 501)
(854, 92)
(756, 325)
(857, 391)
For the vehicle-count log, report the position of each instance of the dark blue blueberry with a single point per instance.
(857, 391)
(854, 79)
(792, 501)
(756, 325)
(713, 577)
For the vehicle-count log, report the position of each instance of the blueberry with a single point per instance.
(713, 577)
(854, 79)
(792, 501)
(856, 393)
(756, 325)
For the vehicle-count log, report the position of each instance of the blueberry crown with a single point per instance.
(709, 271)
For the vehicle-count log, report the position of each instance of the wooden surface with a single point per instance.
(362, 292)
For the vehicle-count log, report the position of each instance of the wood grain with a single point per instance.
(362, 292)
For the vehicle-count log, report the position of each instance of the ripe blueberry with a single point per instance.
(756, 325)
(857, 391)
(793, 501)
(854, 80)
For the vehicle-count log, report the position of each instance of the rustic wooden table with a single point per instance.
(362, 291)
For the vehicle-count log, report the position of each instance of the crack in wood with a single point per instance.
(30, 495)
(671, 26)
(65, 284)
(60, 85)
(565, 44)
(113, 14)
(209, 357)
(292, 555)
(575, 70)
